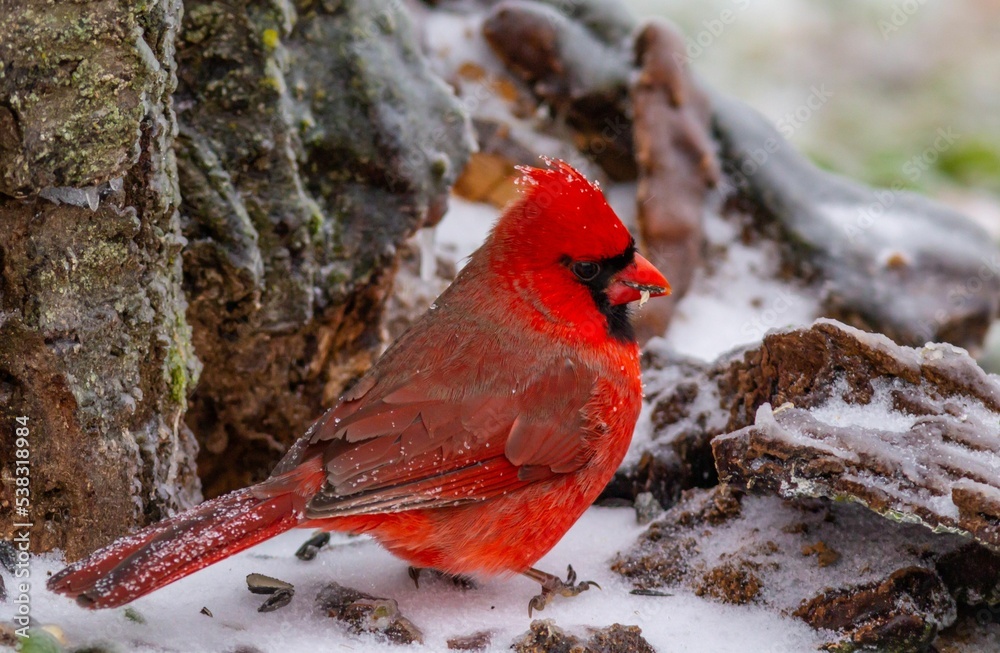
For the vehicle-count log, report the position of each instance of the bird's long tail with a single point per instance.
(171, 549)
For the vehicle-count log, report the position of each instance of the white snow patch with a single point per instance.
(879, 413)
(736, 299)
(679, 623)
(463, 229)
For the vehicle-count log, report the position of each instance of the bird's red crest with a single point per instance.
(561, 213)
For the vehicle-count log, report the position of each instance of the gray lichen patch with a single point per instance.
(75, 81)
(313, 141)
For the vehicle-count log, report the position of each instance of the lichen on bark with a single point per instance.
(94, 347)
(314, 140)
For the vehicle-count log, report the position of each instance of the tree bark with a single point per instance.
(242, 278)
(313, 141)
(94, 347)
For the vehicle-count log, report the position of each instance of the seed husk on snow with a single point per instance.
(261, 584)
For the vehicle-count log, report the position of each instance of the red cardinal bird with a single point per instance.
(476, 440)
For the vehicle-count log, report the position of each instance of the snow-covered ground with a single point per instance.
(173, 620)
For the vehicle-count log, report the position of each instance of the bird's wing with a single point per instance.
(443, 440)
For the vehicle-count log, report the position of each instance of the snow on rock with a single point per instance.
(831, 412)
(739, 295)
(836, 566)
(544, 637)
(890, 260)
(896, 427)
(912, 434)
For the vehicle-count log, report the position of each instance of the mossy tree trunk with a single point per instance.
(310, 139)
(94, 346)
(314, 140)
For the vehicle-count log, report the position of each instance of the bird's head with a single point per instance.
(562, 248)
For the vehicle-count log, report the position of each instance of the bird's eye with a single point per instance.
(586, 270)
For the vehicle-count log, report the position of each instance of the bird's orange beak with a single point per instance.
(638, 282)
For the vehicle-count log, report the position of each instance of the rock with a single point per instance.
(676, 162)
(575, 65)
(914, 434)
(545, 637)
(363, 613)
(891, 261)
(662, 475)
(937, 396)
(313, 141)
(478, 641)
(647, 508)
(972, 575)
(886, 589)
(617, 638)
(911, 433)
(686, 413)
(905, 611)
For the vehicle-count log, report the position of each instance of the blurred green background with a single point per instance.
(912, 86)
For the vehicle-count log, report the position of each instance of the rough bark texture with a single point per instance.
(94, 346)
(313, 142)
(310, 140)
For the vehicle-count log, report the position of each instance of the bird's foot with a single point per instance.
(459, 581)
(553, 585)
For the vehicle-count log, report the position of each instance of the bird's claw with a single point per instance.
(538, 603)
(553, 585)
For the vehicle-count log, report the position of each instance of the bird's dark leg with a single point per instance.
(462, 582)
(312, 546)
(552, 585)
